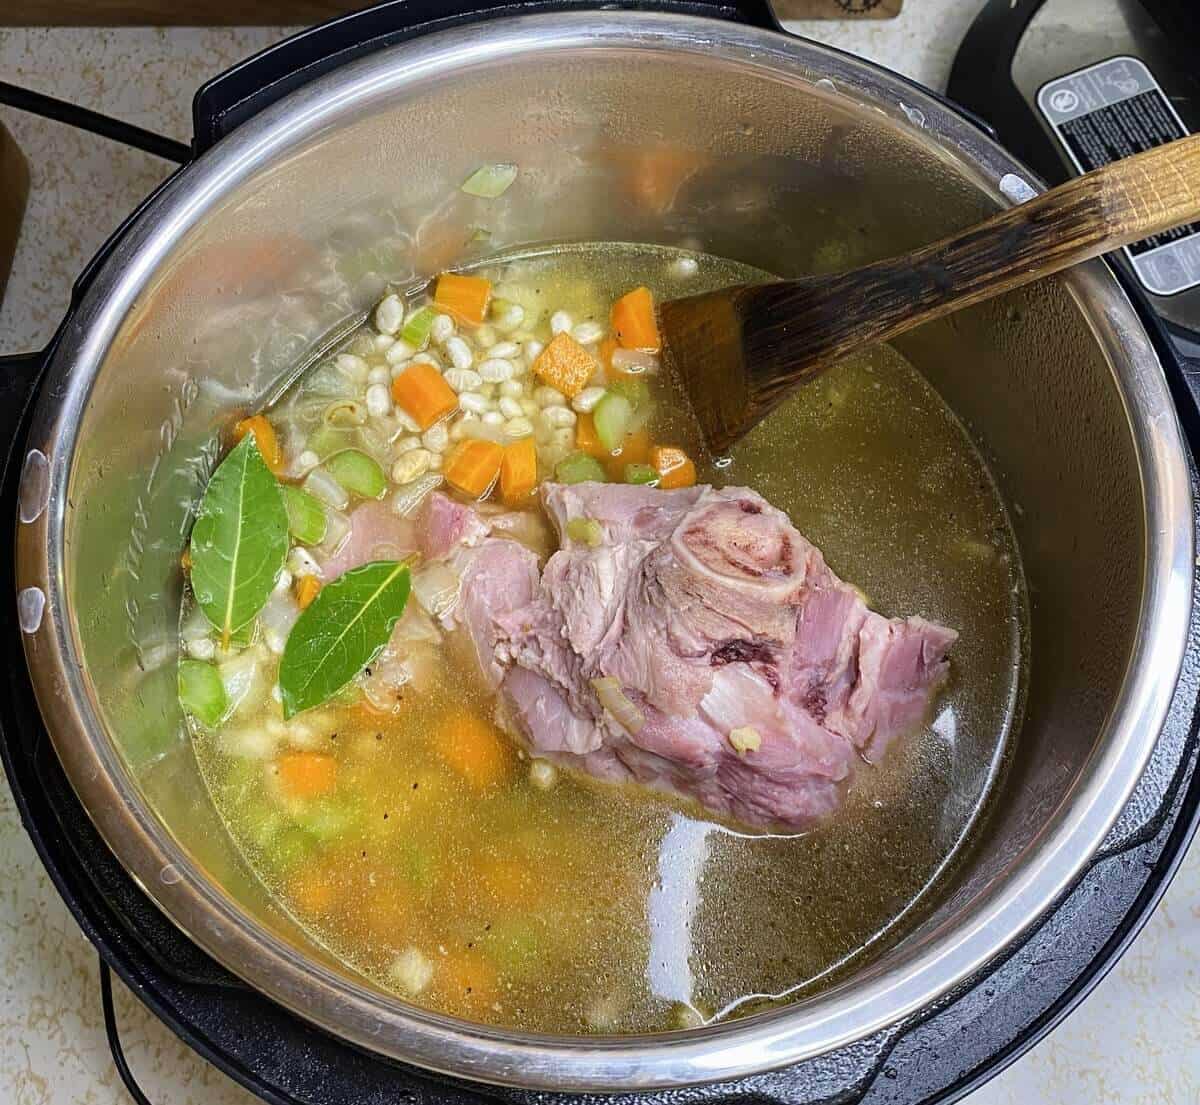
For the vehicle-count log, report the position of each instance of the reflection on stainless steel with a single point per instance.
(671, 908)
(774, 152)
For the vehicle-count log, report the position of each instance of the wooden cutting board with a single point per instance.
(266, 13)
(14, 191)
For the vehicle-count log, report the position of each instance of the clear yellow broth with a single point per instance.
(584, 907)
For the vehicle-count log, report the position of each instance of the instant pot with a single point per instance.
(327, 167)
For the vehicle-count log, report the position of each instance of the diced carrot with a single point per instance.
(264, 438)
(634, 323)
(307, 588)
(464, 297)
(674, 467)
(509, 882)
(565, 364)
(421, 392)
(474, 466)
(306, 774)
(390, 916)
(518, 471)
(475, 749)
(656, 175)
(608, 346)
(586, 438)
(635, 449)
(312, 890)
(466, 979)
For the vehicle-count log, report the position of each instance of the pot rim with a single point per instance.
(813, 1026)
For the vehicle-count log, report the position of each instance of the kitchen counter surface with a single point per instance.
(1136, 1039)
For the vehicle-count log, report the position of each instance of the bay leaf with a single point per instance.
(340, 632)
(240, 540)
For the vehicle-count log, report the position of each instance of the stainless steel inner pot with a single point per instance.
(668, 129)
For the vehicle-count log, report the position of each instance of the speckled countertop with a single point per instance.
(1136, 1039)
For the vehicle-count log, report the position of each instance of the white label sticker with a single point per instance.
(1109, 111)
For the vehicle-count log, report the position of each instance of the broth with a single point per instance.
(589, 907)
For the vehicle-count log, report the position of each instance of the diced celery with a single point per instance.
(292, 846)
(586, 531)
(326, 440)
(611, 417)
(640, 473)
(633, 388)
(515, 946)
(416, 864)
(358, 473)
(201, 692)
(490, 181)
(416, 328)
(326, 818)
(306, 515)
(579, 468)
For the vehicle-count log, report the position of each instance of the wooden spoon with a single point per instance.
(741, 350)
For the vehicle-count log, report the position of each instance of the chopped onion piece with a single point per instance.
(406, 501)
(337, 529)
(612, 698)
(280, 613)
(490, 181)
(321, 485)
(435, 586)
(634, 361)
(245, 683)
(346, 412)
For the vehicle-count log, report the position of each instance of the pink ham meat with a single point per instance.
(714, 614)
(377, 532)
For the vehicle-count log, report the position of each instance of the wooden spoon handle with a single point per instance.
(822, 318)
(1108, 208)
(1111, 207)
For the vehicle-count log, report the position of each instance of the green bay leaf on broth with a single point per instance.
(343, 629)
(240, 540)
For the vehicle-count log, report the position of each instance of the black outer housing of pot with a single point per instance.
(937, 1055)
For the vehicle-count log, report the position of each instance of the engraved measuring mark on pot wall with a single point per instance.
(146, 557)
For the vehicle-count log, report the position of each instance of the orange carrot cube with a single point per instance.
(421, 392)
(464, 297)
(565, 364)
(474, 466)
(675, 468)
(634, 323)
(264, 438)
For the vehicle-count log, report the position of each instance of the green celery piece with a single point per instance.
(490, 181)
(201, 692)
(515, 946)
(307, 519)
(416, 328)
(291, 846)
(641, 473)
(416, 864)
(611, 417)
(358, 473)
(587, 531)
(632, 388)
(327, 818)
(240, 540)
(579, 468)
(327, 440)
(342, 631)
